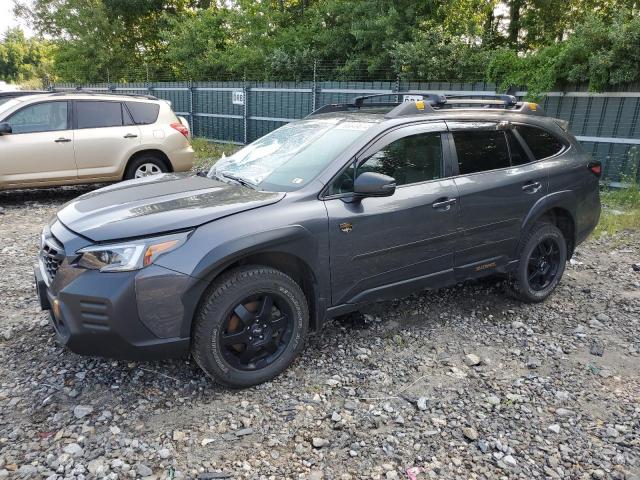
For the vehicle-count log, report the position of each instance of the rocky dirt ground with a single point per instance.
(459, 383)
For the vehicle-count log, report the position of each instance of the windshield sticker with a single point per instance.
(297, 180)
(360, 126)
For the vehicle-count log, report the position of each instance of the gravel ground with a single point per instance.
(459, 383)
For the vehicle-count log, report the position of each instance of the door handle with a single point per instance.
(130, 135)
(62, 140)
(444, 203)
(531, 187)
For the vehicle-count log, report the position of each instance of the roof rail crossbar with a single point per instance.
(434, 101)
(506, 99)
(83, 91)
(432, 98)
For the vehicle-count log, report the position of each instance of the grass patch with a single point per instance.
(207, 153)
(620, 210)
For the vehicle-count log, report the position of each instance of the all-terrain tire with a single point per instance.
(519, 283)
(218, 305)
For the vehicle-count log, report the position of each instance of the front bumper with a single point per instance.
(136, 315)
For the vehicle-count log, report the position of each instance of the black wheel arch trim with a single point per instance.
(563, 199)
(294, 241)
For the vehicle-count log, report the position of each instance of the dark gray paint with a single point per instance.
(396, 244)
(163, 203)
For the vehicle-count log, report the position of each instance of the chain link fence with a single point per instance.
(239, 111)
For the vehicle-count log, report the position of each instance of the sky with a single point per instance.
(8, 20)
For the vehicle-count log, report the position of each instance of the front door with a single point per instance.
(383, 247)
(498, 183)
(40, 149)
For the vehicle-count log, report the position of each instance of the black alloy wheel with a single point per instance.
(543, 265)
(250, 326)
(541, 260)
(257, 331)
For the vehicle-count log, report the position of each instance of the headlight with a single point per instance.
(133, 255)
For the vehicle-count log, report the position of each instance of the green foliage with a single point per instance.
(207, 153)
(621, 206)
(437, 55)
(22, 59)
(537, 44)
(621, 210)
(601, 53)
(537, 72)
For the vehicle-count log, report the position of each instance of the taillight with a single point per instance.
(181, 128)
(595, 167)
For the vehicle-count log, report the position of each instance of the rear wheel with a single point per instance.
(250, 327)
(145, 165)
(541, 264)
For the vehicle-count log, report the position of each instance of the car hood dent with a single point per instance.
(158, 204)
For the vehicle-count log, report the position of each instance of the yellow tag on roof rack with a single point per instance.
(420, 104)
(533, 106)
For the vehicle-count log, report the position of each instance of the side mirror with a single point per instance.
(5, 128)
(371, 184)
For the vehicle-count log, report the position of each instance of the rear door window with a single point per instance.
(541, 143)
(143, 113)
(40, 117)
(481, 150)
(92, 114)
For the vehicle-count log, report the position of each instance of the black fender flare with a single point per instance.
(293, 240)
(564, 199)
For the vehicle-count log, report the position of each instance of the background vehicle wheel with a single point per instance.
(145, 165)
(542, 261)
(250, 327)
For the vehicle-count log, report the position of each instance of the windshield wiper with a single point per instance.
(242, 181)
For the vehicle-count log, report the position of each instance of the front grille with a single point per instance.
(52, 256)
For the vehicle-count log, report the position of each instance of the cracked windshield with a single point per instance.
(290, 157)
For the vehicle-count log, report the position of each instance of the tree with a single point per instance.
(22, 59)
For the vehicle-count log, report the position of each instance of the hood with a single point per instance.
(157, 204)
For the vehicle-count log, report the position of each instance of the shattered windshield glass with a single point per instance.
(290, 157)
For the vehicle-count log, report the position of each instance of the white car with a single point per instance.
(83, 137)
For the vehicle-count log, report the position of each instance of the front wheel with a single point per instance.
(541, 264)
(250, 326)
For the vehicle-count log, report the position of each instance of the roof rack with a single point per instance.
(432, 102)
(83, 91)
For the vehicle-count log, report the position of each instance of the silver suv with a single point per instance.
(83, 137)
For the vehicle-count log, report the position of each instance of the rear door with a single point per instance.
(382, 247)
(105, 137)
(498, 183)
(40, 149)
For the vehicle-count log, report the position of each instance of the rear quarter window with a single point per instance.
(143, 113)
(541, 143)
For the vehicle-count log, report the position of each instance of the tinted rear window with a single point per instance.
(99, 114)
(541, 143)
(481, 150)
(143, 113)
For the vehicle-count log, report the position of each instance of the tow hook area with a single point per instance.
(41, 289)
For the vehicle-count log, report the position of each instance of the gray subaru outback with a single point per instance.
(356, 203)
